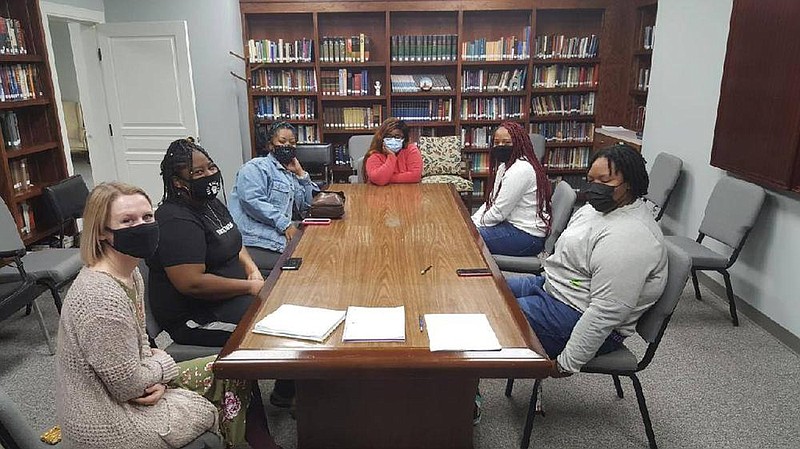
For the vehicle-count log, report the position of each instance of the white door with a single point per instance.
(149, 94)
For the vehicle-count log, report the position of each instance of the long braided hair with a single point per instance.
(179, 157)
(523, 149)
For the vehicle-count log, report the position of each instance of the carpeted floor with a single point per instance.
(710, 385)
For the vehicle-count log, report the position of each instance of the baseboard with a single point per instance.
(776, 330)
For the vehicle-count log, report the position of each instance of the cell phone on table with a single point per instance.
(470, 272)
(317, 221)
(292, 263)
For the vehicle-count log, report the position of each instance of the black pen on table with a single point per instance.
(426, 269)
(421, 323)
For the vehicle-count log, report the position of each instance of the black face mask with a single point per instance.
(501, 153)
(140, 241)
(284, 154)
(205, 188)
(600, 196)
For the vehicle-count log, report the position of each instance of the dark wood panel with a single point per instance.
(756, 133)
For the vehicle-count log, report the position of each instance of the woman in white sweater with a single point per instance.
(515, 221)
(113, 390)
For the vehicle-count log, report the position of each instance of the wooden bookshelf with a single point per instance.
(39, 134)
(612, 22)
(641, 61)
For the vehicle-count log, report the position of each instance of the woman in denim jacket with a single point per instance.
(268, 189)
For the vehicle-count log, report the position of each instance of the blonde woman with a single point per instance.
(113, 389)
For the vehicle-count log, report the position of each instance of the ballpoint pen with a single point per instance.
(421, 323)
(426, 269)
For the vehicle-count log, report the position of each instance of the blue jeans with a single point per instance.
(551, 319)
(505, 239)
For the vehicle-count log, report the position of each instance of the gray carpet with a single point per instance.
(710, 385)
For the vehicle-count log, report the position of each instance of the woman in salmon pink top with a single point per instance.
(391, 158)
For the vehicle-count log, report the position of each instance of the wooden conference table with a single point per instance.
(386, 395)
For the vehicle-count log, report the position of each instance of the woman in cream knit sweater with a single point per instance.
(113, 390)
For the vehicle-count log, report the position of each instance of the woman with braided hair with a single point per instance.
(515, 220)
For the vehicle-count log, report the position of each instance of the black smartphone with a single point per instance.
(467, 272)
(292, 263)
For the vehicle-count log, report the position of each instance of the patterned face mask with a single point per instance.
(206, 188)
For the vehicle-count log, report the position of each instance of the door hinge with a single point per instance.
(99, 54)
(110, 131)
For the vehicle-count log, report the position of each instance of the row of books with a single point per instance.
(503, 49)
(340, 155)
(476, 137)
(480, 162)
(423, 110)
(564, 131)
(649, 37)
(565, 76)
(12, 38)
(20, 82)
(418, 83)
(345, 49)
(353, 117)
(577, 182)
(568, 158)
(20, 175)
(493, 81)
(477, 186)
(638, 117)
(567, 104)
(560, 46)
(643, 80)
(268, 51)
(344, 82)
(491, 108)
(285, 108)
(9, 127)
(415, 132)
(423, 48)
(295, 80)
(305, 133)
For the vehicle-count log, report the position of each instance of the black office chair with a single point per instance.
(622, 362)
(67, 199)
(18, 294)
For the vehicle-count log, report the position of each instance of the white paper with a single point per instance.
(375, 324)
(305, 323)
(461, 332)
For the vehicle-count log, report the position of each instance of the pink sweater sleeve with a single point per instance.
(380, 168)
(413, 163)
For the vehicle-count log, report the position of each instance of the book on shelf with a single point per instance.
(560, 76)
(12, 37)
(28, 223)
(478, 185)
(503, 49)
(292, 80)
(345, 49)
(648, 37)
(482, 80)
(414, 83)
(305, 133)
(576, 181)
(9, 126)
(353, 117)
(480, 162)
(491, 108)
(20, 175)
(20, 82)
(415, 132)
(568, 158)
(301, 322)
(423, 48)
(561, 46)
(643, 82)
(344, 82)
(440, 109)
(285, 108)
(280, 51)
(476, 137)
(566, 104)
(564, 131)
(340, 155)
(639, 116)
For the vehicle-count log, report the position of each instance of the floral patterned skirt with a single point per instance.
(230, 396)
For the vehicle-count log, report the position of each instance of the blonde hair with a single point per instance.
(96, 216)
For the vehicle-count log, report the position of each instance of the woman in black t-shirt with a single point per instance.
(202, 280)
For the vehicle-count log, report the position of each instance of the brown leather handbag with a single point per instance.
(327, 205)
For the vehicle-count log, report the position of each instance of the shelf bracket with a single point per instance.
(238, 56)
(239, 77)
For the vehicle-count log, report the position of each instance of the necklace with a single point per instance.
(215, 220)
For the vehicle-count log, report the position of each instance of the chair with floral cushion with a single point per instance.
(442, 162)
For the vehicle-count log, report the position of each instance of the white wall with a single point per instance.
(214, 29)
(96, 5)
(691, 40)
(65, 67)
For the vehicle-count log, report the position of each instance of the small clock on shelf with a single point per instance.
(425, 83)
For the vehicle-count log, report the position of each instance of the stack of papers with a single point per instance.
(461, 332)
(305, 323)
(375, 324)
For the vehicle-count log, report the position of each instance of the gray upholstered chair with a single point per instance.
(16, 433)
(623, 362)
(52, 267)
(178, 352)
(731, 212)
(563, 199)
(664, 175)
(357, 147)
(539, 142)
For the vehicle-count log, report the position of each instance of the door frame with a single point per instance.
(92, 95)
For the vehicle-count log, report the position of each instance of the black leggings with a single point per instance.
(264, 259)
(214, 332)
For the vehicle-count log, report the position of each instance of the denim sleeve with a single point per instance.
(303, 195)
(254, 186)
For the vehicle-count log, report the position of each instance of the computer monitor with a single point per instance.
(314, 155)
